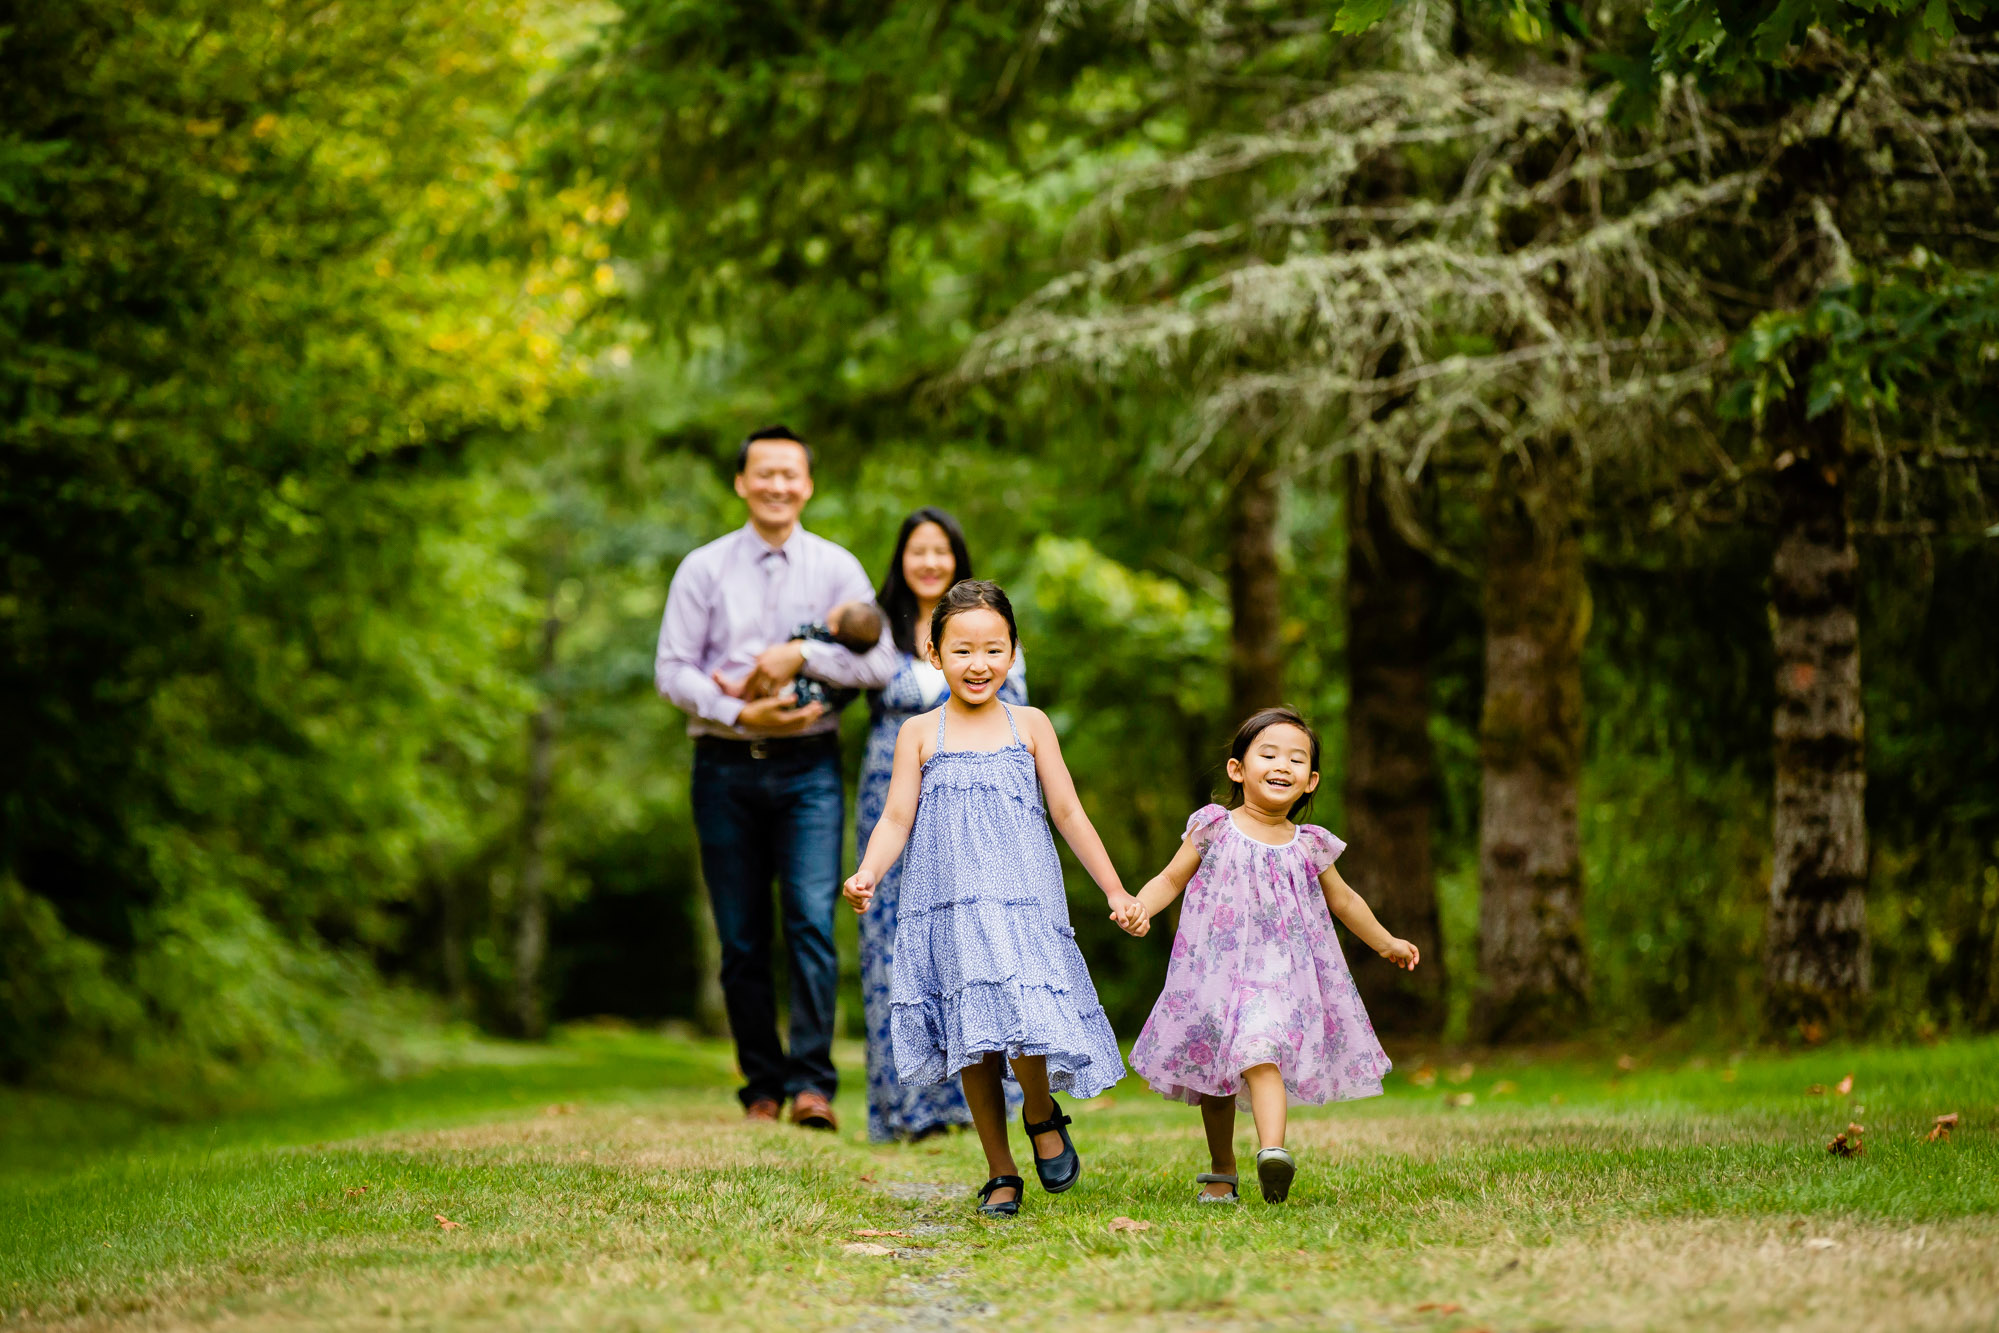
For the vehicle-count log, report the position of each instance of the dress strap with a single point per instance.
(940, 725)
(1009, 722)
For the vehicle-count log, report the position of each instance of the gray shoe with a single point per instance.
(1216, 1178)
(1274, 1169)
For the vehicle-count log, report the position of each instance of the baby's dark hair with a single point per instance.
(858, 626)
(970, 595)
(1262, 720)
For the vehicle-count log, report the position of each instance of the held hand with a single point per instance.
(1403, 954)
(775, 668)
(776, 717)
(1130, 915)
(859, 890)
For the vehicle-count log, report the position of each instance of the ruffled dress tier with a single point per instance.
(1257, 977)
(985, 958)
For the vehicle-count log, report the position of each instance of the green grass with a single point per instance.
(605, 1181)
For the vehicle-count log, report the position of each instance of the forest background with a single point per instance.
(1548, 400)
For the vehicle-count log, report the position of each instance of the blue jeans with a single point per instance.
(758, 819)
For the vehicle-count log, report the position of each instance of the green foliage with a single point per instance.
(1920, 328)
(257, 621)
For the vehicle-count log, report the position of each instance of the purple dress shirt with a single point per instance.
(735, 597)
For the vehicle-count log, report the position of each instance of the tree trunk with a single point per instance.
(531, 901)
(1530, 745)
(1256, 675)
(1391, 774)
(1815, 940)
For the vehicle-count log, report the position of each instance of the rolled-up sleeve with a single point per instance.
(843, 667)
(682, 633)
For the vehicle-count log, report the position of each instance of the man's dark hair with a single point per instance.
(782, 433)
(895, 595)
(1262, 720)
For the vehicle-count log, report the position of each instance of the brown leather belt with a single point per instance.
(770, 747)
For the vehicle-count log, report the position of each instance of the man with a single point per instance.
(767, 794)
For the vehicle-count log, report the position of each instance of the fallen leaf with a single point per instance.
(1460, 1099)
(1728, 1076)
(1425, 1077)
(868, 1247)
(1128, 1224)
(1846, 1143)
(1626, 1063)
(1463, 1073)
(1504, 1086)
(446, 1224)
(868, 1179)
(881, 1233)
(353, 1190)
(561, 1108)
(1844, 1086)
(1439, 1307)
(1944, 1124)
(1815, 1090)
(1821, 1243)
(1812, 1032)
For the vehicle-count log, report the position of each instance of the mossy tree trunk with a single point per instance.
(1531, 955)
(1815, 941)
(1391, 780)
(1256, 595)
(531, 901)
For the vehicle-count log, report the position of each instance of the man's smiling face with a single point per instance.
(775, 482)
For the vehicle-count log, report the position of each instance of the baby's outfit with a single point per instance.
(985, 958)
(810, 691)
(1257, 977)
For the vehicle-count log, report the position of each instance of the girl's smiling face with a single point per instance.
(1276, 770)
(975, 654)
(928, 565)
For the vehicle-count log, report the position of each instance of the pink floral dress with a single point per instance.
(1257, 977)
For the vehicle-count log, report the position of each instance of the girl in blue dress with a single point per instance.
(930, 555)
(987, 975)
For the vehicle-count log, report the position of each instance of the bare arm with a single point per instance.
(891, 833)
(1160, 891)
(1353, 910)
(1066, 813)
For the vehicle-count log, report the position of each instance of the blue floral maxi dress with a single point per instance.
(896, 1110)
(985, 958)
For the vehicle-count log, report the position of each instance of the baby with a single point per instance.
(855, 626)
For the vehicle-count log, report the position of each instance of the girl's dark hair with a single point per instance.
(971, 595)
(895, 597)
(1262, 720)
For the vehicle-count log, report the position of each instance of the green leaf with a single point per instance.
(1358, 16)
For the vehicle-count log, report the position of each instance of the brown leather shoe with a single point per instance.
(763, 1108)
(811, 1110)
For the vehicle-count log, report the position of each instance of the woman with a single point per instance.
(929, 557)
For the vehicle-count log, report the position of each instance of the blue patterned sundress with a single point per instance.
(897, 1110)
(985, 958)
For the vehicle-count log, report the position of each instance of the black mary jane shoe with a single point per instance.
(1010, 1206)
(1064, 1169)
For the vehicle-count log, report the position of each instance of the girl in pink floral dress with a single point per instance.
(1259, 1009)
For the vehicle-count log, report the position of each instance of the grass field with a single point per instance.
(605, 1181)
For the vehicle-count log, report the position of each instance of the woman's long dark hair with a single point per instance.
(896, 599)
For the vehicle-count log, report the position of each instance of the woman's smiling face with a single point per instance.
(928, 565)
(975, 655)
